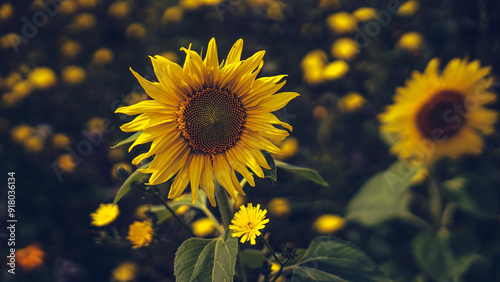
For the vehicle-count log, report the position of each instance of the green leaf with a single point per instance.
(206, 259)
(384, 196)
(332, 259)
(308, 173)
(472, 194)
(434, 253)
(252, 258)
(130, 139)
(163, 214)
(270, 173)
(136, 176)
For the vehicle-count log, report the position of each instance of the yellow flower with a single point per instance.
(329, 223)
(408, 8)
(274, 11)
(172, 14)
(120, 9)
(103, 56)
(60, 140)
(288, 147)
(21, 132)
(33, 144)
(135, 31)
(73, 75)
(312, 66)
(105, 214)
(203, 227)
(335, 70)
(67, 7)
(85, 21)
(247, 223)
(279, 207)
(365, 14)
(342, 22)
(6, 11)
(141, 212)
(140, 233)
(125, 272)
(182, 210)
(9, 40)
(70, 49)
(30, 257)
(441, 114)
(344, 48)
(351, 102)
(206, 119)
(411, 41)
(66, 162)
(42, 78)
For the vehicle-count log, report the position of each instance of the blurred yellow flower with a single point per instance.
(351, 102)
(42, 78)
(182, 210)
(30, 257)
(9, 40)
(73, 75)
(409, 8)
(34, 144)
(140, 233)
(344, 48)
(6, 11)
(67, 7)
(60, 140)
(105, 214)
(274, 11)
(22, 89)
(247, 223)
(87, 3)
(411, 41)
(328, 224)
(95, 123)
(11, 80)
(21, 132)
(342, 22)
(125, 166)
(279, 207)
(431, 116)
(103, 56)
(312, 66)
(329, 4)
(70, 49)
(172, 14)
(135, 31)
(365, 14)
(320, 112)
(288, 147)
(120, 9)
(66, 162)
(335, 70)
(125, 272)
(203, 227)
(85, 21)
(171, 56)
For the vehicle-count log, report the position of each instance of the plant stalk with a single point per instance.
(157, 194)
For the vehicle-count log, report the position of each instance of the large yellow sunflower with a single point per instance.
(208, 118)
(441, 114)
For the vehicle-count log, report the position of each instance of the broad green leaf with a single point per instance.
(308, 173)
(471, 194)
(130, 139)
(434, 253)
(136, 176)
(163, 214)
(384, 196)
(332, 259)
(270, 173)
(206, 259)
(252, 258)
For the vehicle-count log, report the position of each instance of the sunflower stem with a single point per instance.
(435, 201)
(447, 218)
(269, 248)
(280, 270)
(157, 194)
(211, 216)
(223, 204)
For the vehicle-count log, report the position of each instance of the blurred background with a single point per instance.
(65, 69)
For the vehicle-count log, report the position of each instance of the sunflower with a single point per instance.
(441, 114)
(208, 118)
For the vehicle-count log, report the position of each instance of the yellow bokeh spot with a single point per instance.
(203, 227)
(85, 21)
(172, 15)
(66, 162)
(365, 14)
(34, 144)
(288, 147)
(105, 214)
(342, 22)
(70, 49)
(68, 7)
(73, 75)
(95, 123)
(409, 8)
(312, 66)
(125, 272)
(116, 155)
(87, 3)
(9, 40)
(335, 70)
(30, 257)
(411, 41)
(103, 56)
(141, 211)
(22, 89)
(170, 56)
(120, 9)
(21, 132)
(329, 4)
(135, 31)
(344, 48)
(279, 207)
(351, 102)
(60, 140)
(320, 112)
(6, 11)
(329, 223)
(42, 78)
(274, 11)
(182, 210)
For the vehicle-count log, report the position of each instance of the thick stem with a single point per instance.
(269, 248)
(280, 270)
(449, 211)
(160, 198)
(213, 219)
(435, 201)
(223, 204)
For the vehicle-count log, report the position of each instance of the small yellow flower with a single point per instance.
(140, 233)
(85, 21)
(135, 31)
(30, 257)
(329, 223)
(70, 49)
(288, 147)
(365, 14)
(203, 227)
(73, 75)
(105, 214)
(182, 210)
(247, 222)
(351, 102)
(312, 66)
(409, 8)
(279, 207)
(320, 112)
(42, 78)
(335, 70)
(344, 48)
(342, 22)
(125, 272)
(60, 140)
(33, 144)
(66, 162)
(9, 40)
(6, 11)
(172, 15)
(411, 41)
(67, 7)
(274, 11)
(103, 56)
(120, 9)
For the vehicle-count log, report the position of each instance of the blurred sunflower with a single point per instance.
(441, 114)
(208, 118)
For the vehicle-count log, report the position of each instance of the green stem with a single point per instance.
(213, 219)
(415, 220)
(157, 194)
(280, 270)
(223, 204)
(435, 201)
(269, 248)
(448, 213)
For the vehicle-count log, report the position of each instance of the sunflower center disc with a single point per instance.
(444, 112)
(211, 120)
